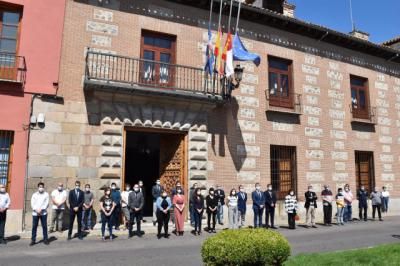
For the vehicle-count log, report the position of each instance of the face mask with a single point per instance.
(211, 192)
(179, 191)
(199, 193)
(158, 183)
(291, 193)
(2, 190)
(77, 187)
(310, 190)
(128, 188)
(241, 190)
(136, 189)
(60, 188)
(164, 196)
(362, 189)
(41, 190)
(108, 193)
(233, 193)
(87, 189)
(113, 187)
(258, 188)
(140, 185)
(270, 188)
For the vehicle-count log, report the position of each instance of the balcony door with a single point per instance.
(158, 57)
(359, 97)
(9, 32)
(280, 82)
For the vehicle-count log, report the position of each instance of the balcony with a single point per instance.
(363, 115)
(288, 104)
(114, 73)
(12, 68)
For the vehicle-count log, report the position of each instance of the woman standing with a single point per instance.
(340, 206)
(107, 206)
(179, 205)
(232, 203)
(198, 205)
(212, 205)
(385, 200)
(291, 208)
(163, 204)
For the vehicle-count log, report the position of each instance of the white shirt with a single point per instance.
(40, 201)
(4, 201)
(232, 201)
(59, 196)
(125, 198)
(385, 194)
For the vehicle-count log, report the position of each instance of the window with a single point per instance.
(158, 52)
(283, 169)
(359, 97)
(365, 170)
(9, 32)
(280, 82)
(6, 145)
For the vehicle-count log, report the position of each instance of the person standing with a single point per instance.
(340, 206)
(135, 204)
(173, 193)
(242, 205)
(362, 196)
(198, 205)
(376, 199)
(39, 205)
(156, 193)
(191, 208)
(4, 206)
(212, 206)
(76, 199)
(327, 198)
(58, 199)
(220, 194)
(124, 204)
(258, 198)
(179, 202)
(163, 206)
(385, 200)
(311, 206)
(107, 206)
(116, 197)
(270, 204)
(348, 201)
(143, 190)
(87, 208)
(291, 209)
(232, 203)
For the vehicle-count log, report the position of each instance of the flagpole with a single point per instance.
(230, 16)
(220, 14)
(211, 8)
(237, 18)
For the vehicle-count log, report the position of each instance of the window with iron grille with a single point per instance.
(283, 170)
(6, 148)
(365, 170)
(359, 97)
(280, 82)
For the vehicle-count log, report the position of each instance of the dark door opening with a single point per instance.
(142, 162)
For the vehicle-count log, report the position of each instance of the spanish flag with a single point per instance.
(227, 56)
(218, 52)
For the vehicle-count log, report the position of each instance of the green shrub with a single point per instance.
(245, 247)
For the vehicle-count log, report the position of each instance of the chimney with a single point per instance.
(360, 34)
(288, 9)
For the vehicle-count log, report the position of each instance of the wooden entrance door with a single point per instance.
(365, 170)
(172, 160)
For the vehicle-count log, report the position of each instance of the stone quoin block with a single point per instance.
(307, 89)
(311, 79)
(310, 70)
(313, 121)
(313, 132)
(314, 154)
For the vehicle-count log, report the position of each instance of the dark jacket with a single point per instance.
(135, 200)
(270, 198)
(116, 196)
(220, 194)
(191, 193)
(242, 201)
(311, 199)
(362, 197)
(212, 203)
(156, 191)
(76, 201)
(258, 199)
(198, 203)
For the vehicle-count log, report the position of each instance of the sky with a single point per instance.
(379, 18)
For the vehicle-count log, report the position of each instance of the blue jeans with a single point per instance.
(87, 216)
(385, 204)
(258, 214)
(35, 223)
(348, 212)
(191, 210)
(197, 220)
(220, 213)
(106, 220)
(340, 213)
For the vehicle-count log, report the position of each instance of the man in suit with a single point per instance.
(258, 198)
(310, 205)
(270, 204)
(242, 201)
(362, 197)
(143, 190)
(76, 199)
(220, 195)
(135, 205)
(156, 192)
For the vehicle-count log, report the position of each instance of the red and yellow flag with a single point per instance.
(227, 56)
(218, 52)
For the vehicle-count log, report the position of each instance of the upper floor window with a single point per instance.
(359, 97)
(6, 144)
(158, 52)
(280, 82)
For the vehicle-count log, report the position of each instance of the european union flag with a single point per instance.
(240, 52)
(209, 54)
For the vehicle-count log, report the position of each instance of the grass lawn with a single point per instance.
(383, 255)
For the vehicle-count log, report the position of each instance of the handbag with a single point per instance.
(297, 217)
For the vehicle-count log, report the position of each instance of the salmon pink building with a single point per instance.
(30, 47)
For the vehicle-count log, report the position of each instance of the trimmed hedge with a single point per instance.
(245, 247)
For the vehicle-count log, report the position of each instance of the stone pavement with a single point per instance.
(185, 250)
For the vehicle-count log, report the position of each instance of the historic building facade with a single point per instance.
(322, 108)
(30, 49)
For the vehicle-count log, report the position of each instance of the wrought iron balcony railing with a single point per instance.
(117, 70)
(284, 103)
(12, 68)
(363, 115)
